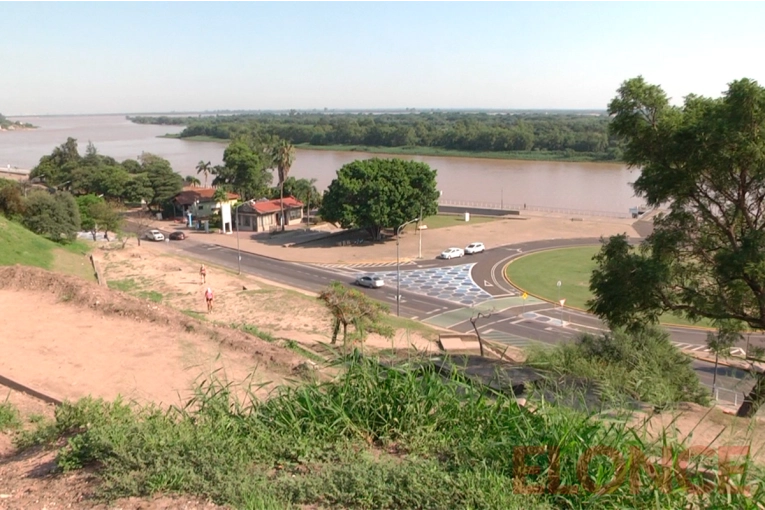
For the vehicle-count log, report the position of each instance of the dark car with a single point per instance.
(177, 236)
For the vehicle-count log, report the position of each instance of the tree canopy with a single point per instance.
(151, 179)
(380, 193)
(54, 216)
(245, 170)
(705, 162)
(351, 307)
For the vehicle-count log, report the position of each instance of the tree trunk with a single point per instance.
(335, 331)
(281, 201)
(480, 342)
(345, 331)
(755, 399)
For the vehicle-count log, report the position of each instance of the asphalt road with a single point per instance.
(516, 325)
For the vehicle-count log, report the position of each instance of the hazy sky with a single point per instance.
(159, 57)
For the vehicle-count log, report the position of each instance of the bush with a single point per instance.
(643, 366)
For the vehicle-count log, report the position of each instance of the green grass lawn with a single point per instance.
(20, 246)
(539, 273)
(448, 220)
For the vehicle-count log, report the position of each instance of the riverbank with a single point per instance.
(558, 156)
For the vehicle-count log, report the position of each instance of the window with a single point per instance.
(294, 214)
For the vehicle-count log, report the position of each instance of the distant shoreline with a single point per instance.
(428, 151)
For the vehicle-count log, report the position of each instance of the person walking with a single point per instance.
(209, 298)
(203, 274)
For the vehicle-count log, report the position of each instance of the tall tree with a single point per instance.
(245, 170)
(283, 155)
(164, 181)
(705, 161)
(380, 193)
(204, 169)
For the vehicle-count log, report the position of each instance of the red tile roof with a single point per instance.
(271, 206)
(190, 195)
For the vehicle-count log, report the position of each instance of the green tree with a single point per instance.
(380, 193)
(283, 155)
(53, 216)
(351, 307)
(138, 189)
(245, 170)
(706, 256)
(56, 168)
(204, 169)
(87, 221)
(165, 183)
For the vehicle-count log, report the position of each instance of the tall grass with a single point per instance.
(374, 438)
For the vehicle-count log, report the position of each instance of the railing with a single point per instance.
(717, 391)
(535, 208)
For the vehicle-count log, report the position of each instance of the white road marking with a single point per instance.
(487, 284)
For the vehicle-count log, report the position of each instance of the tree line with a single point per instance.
(567, 133)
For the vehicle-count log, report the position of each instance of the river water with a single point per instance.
(577, 186)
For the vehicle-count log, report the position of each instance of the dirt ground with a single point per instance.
(284, 313)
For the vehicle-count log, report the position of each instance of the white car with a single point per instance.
(372, 282)
(472, 248)
(155, 235)
(452, 253)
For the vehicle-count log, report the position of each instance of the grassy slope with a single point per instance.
(20, 246)
(538, 274)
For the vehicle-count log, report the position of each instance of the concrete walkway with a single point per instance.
(528, 227)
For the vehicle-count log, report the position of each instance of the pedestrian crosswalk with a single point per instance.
(684, 346)
(362, 265)
(507, 339)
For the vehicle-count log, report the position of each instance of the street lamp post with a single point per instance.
(398, 267)
(239, 253)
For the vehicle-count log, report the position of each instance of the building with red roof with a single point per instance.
(264, 215)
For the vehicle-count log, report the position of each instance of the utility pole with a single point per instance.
(398, 266)
(419, 255)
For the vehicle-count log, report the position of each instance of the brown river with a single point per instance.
(597, 187)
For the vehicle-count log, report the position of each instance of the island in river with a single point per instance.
(531, 135)
(7, 124)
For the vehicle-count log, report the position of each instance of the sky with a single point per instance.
(124, 57)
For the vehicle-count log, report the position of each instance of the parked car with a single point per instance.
(372, 282)
(452, 253)
(177, 236)
(473, 248)
(155, 235)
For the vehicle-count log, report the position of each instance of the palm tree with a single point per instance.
(192, 181)
(204, 169)
(282, 155)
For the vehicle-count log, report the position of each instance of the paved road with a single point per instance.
(447, 293)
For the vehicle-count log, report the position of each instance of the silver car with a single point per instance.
(370, 281)
(473, 248)
(155, 235)
(452, 253)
